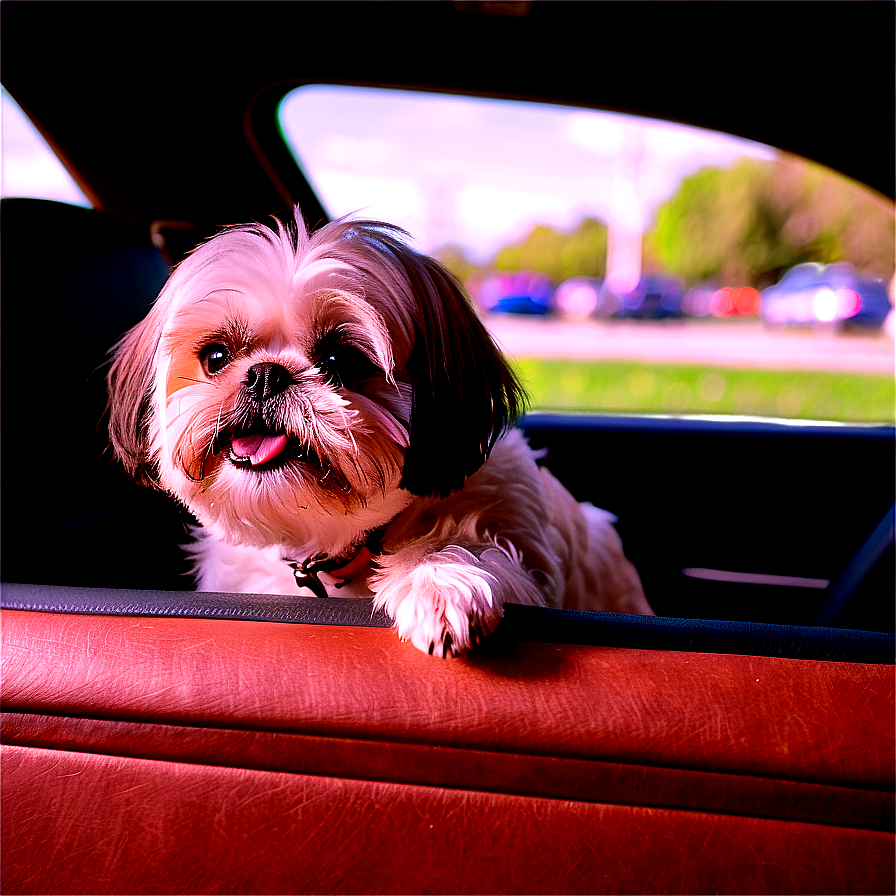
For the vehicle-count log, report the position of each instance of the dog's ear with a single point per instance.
(131, 381)
(464, 392)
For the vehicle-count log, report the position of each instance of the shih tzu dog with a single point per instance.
(334, 414)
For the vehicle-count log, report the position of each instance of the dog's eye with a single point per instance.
(343, 365)
(214, 358)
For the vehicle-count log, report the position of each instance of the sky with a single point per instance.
(479, 171)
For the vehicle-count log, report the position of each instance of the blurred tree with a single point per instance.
(743, 225)
(746, 224)
(581, 252)
(455, 258)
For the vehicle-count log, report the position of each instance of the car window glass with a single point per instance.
(626, 265)
(29, 167)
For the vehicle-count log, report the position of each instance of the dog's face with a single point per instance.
(298, 390)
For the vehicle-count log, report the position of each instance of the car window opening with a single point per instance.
(626, 265)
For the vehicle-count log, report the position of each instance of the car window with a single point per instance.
(29, 167)
(626, 265)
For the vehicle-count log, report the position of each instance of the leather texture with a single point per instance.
(107, 820)
(200, 755)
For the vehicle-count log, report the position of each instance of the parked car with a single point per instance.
(515, 292)
(579, 298)
(698, 300)
(742, 301)
(656, 297)
(875, 305)
(156, 740)
(831, 294)
(711, 300)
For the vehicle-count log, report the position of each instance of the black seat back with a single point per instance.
(73, 281)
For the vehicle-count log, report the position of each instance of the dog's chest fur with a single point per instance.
(571, 550)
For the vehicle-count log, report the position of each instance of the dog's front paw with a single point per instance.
(445, 604)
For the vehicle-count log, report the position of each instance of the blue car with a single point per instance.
(831, 294)
(516, 292)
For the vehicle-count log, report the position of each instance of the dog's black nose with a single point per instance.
(267, 378)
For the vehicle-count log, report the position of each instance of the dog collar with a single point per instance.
(345, 567)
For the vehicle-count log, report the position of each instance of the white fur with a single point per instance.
(409, 446)
(513, 534)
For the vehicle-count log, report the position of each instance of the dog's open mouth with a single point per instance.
(261, 450)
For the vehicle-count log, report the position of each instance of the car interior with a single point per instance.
(160, 740)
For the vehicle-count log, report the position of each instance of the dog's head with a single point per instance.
(297, 390)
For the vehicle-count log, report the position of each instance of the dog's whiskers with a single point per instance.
(217, 430)
(210, 444)
(207, 452)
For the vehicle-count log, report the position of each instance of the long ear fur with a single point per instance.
(130, 380)
(465, 393)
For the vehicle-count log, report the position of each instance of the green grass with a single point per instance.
(625, 387)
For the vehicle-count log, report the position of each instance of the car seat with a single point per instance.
(73, 281)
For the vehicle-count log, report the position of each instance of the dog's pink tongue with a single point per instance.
(259, 448)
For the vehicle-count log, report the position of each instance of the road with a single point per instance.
(725, 343)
